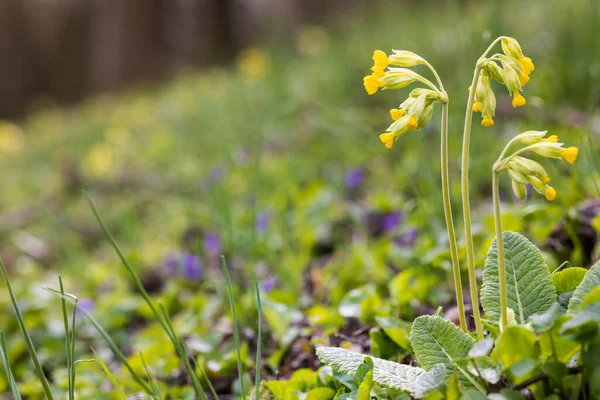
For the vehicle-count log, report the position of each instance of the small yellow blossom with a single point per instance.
(551, 138)
(99, 159)
(387, 139)
(487, 122)
(523, 78)
(546, 180)
(379, 73)
(550, 193)
(570, 154)
(397, 113)
(477, 107)
(381, 60)
(372, 83)
(253, 63)
(412, 124)
(518, 100)
(527, 65)
(12, 138)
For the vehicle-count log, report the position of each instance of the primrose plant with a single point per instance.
(539, 335)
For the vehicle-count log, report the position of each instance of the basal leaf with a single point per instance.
(517, 344)
(528, 282)
(565, 283)
(436, 340)
(591, 280)
(387, 373)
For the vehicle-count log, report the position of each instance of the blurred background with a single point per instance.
(241, 127)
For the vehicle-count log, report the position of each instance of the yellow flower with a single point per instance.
(546, 180)
(381, 60)
(551, 138)
(372, 83)
(253, 63)
(477, 107)
(487, 122)
(379, 73)
(12, 139)
(550, 193)
(570, 154)
(527, 65)
(387, 139)
(99, 159)
(518, 100)
(412, 124)
(397, 113)
(523, 78)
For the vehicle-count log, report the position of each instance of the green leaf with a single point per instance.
(386, 373)
(568, 279)
(528, 282)
(436, 340)
(397, 330)
(322, 393)
(583, 325)
(591, 280)
(592, 297)
(542, 322)
(516, 344)
(482, 348)
(565, 283)
(364, 390)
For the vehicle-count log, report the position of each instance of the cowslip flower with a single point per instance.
(524, 171)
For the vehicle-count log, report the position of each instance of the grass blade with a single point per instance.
(110, 375)
(28, 341)
(151, 377)
(162, 320)
(72, 389)
(113, 346)
(236, 333)
(67, 338)
(14, 390)
(258, 340)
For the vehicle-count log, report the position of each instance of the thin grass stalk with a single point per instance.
(67, 336)
(258, 340)
(28, 341)
(14, 390)
(236, 333)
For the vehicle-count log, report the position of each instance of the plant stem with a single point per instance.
(448, 214)
(467, 207)
(500, 247)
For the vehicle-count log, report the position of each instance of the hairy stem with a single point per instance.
(500, 247)
(448, 214)
(467, 207)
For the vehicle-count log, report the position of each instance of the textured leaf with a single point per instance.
(482, 348)
(565, 283)
(591, 280)
(386, 373)
(545, 321)
(389, 374)
(528, 282)
(436, 340)
(516, 344)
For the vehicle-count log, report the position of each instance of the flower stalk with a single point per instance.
(500, 247)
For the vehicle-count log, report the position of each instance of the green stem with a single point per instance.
(448, 214)
(467, 207)
(500, 247)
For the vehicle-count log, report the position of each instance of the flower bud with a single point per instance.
(397, 78)
(404, 58)
(520, 190)
(512, 48)
(494, 71)
(530, 137)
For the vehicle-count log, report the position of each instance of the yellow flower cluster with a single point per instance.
(511, 69)
(523, 171)
(390, 72)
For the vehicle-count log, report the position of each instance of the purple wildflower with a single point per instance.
(391, 221)
(184, 265)
(84, 304)
(262, 221)
(191, 267)
(407, 239)
(268, 283)
(354, 178)
(212, 244)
